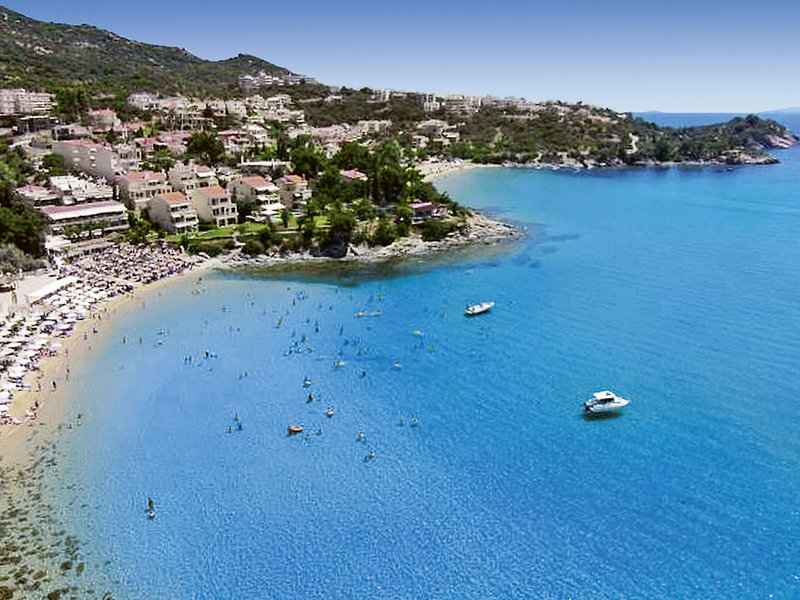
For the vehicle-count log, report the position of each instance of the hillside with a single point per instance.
(577, 134)
(48, 56)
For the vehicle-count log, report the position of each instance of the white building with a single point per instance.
(137, 188)
(22, 102)
(37, 196)
(186, 178)
(76, 190)
(213, 203)
(99, 218)
(260, 193)
(100, 160)
(174, 212)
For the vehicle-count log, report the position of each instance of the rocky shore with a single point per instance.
(480, 230)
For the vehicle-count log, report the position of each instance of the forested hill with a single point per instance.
(48, 56)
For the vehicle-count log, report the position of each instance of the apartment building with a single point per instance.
(99, 218)
(138, 188)
(185, 178)
(174, 212)
(72, 190)
(213, 203)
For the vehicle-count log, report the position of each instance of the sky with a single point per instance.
(676, 56)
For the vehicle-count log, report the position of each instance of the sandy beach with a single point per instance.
(434, 170)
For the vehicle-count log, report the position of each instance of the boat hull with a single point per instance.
(606, 407)
(478, 309)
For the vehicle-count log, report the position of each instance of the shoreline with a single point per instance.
(482, 231)
(40, 554)
(434, 170)
(56, 367)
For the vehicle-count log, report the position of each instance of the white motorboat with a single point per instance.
(604, 402)
(478, 309)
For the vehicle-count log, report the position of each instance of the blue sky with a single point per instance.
(680, 56)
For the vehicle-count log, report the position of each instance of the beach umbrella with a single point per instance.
(3, 408)
(5, 396)
(17, 372)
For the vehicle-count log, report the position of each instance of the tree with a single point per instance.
(364, 209)
(54, 164)
(307, 161)
(385, 233)
(353, 155)
(205, 146)
(253, 247)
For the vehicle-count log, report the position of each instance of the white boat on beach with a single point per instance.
(604, 402)
(478, 309)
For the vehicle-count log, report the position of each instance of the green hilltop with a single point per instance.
(49, 56)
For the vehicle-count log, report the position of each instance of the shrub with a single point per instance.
(196, 247)
(435, 229)
(385, 234)
(253, 247)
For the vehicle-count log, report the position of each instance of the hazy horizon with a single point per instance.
(632, 57)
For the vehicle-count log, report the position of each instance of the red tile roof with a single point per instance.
(173, 198)
(255, 181)
(213, 191)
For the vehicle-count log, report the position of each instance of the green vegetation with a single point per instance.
(341, 211)
(20, 226)
(578, 134)
(206, 147)
(12, 259)
(78, 61)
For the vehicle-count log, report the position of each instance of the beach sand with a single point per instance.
(439, 169)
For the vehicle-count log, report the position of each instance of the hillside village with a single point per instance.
(175, 169)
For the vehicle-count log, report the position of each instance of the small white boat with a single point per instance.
(478, 309)
(604, 402)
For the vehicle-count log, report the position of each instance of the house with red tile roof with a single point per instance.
(174, 212)
(213, 203)
(137, 188)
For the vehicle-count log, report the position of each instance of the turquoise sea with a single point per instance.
(677, 288)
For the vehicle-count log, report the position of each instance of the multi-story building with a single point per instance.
(186, 178)
(103, 119)
(293, 191)
(88, 220)
(76, 190)
(213, 203)
(261, 194)
(37, 196)
(100, 160)
(174, 212)
(22, 102)
(137, 188)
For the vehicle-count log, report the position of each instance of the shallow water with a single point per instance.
(677, 288)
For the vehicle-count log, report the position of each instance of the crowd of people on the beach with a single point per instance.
(133, 264)
(29, 333)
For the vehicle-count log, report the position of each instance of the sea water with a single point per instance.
(458, 463)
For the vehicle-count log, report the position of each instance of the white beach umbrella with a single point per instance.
(3, 408)
(17, 372)
(5, 396)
